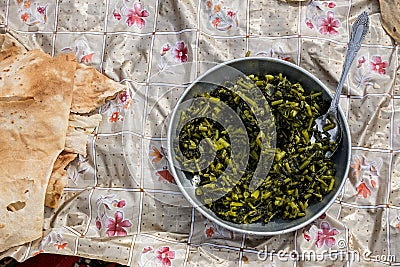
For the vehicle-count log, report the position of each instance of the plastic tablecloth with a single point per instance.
(121, 203)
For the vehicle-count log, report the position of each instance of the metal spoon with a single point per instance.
(358, 32)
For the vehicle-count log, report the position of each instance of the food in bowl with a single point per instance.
(300, 173)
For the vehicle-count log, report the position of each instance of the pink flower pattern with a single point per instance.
(329, 24)
(110, 216)
(378, 65)
(164, 255)
(309, 24)
(278, 50)
(82, 50)
(221, 17)
(181, 52)
(147, 249)
(165, 49)
(137, 15)
(115, 226)
(134, 15)
(367, 174)
(32, 12)
(326, 235)
(363, 190)
(117, 15)
(370, 71)
(320, 16)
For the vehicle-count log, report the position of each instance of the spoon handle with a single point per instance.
(358, 32)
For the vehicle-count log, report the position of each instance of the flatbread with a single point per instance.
(58, 179)
(9, 46)
(391, 18)
(92, 89)
(35, 101)
(79, 128)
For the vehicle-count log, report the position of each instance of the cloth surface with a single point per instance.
(121, 203)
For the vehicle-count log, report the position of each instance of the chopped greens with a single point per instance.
(300, 173)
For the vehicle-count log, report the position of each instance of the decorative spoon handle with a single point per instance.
(358, 32)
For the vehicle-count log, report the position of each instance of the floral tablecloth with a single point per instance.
(121, 203)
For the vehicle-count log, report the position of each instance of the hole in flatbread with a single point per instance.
(16, 206)
(394, 29)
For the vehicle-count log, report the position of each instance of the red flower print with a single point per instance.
(373, 170)
(210, 232)
(165, 175)
(378, 65)
(121, 204)
(180, 52)
(231, 14)
(60, 246)
(326, 235)
(355, 168)
(41, 10)
(216, 22)
(363, 190)
(136, 15)
(209, 4)
(124, 97)
(361, 61)
(147, 249)
(114, 116)
(309, 24)
(164, 255)
(27, 4)
(306, 236)
(217, 8)
(373, 183)
(117, 15)
(328, 25)
(330, 4)
(87, 58)
(115, 227)
(157, 155)
(323, 216)
(25, 17)
(165, 49)
(98, 224)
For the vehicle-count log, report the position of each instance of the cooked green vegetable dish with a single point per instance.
(300, 173)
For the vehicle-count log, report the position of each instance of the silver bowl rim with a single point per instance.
(221, 222)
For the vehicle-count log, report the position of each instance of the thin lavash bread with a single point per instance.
(35, 100)
(390, 12)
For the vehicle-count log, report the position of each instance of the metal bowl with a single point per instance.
(260, 65)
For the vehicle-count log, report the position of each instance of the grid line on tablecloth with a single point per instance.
(388, 232)
(242, 246)
(189, 237)
(131, 250)
(53, 47)
(73, 189)
(90, 212)
(76, 246)
(103, 47)
(6, 14)
(142, 194)
(379, 206)
(392, 100)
